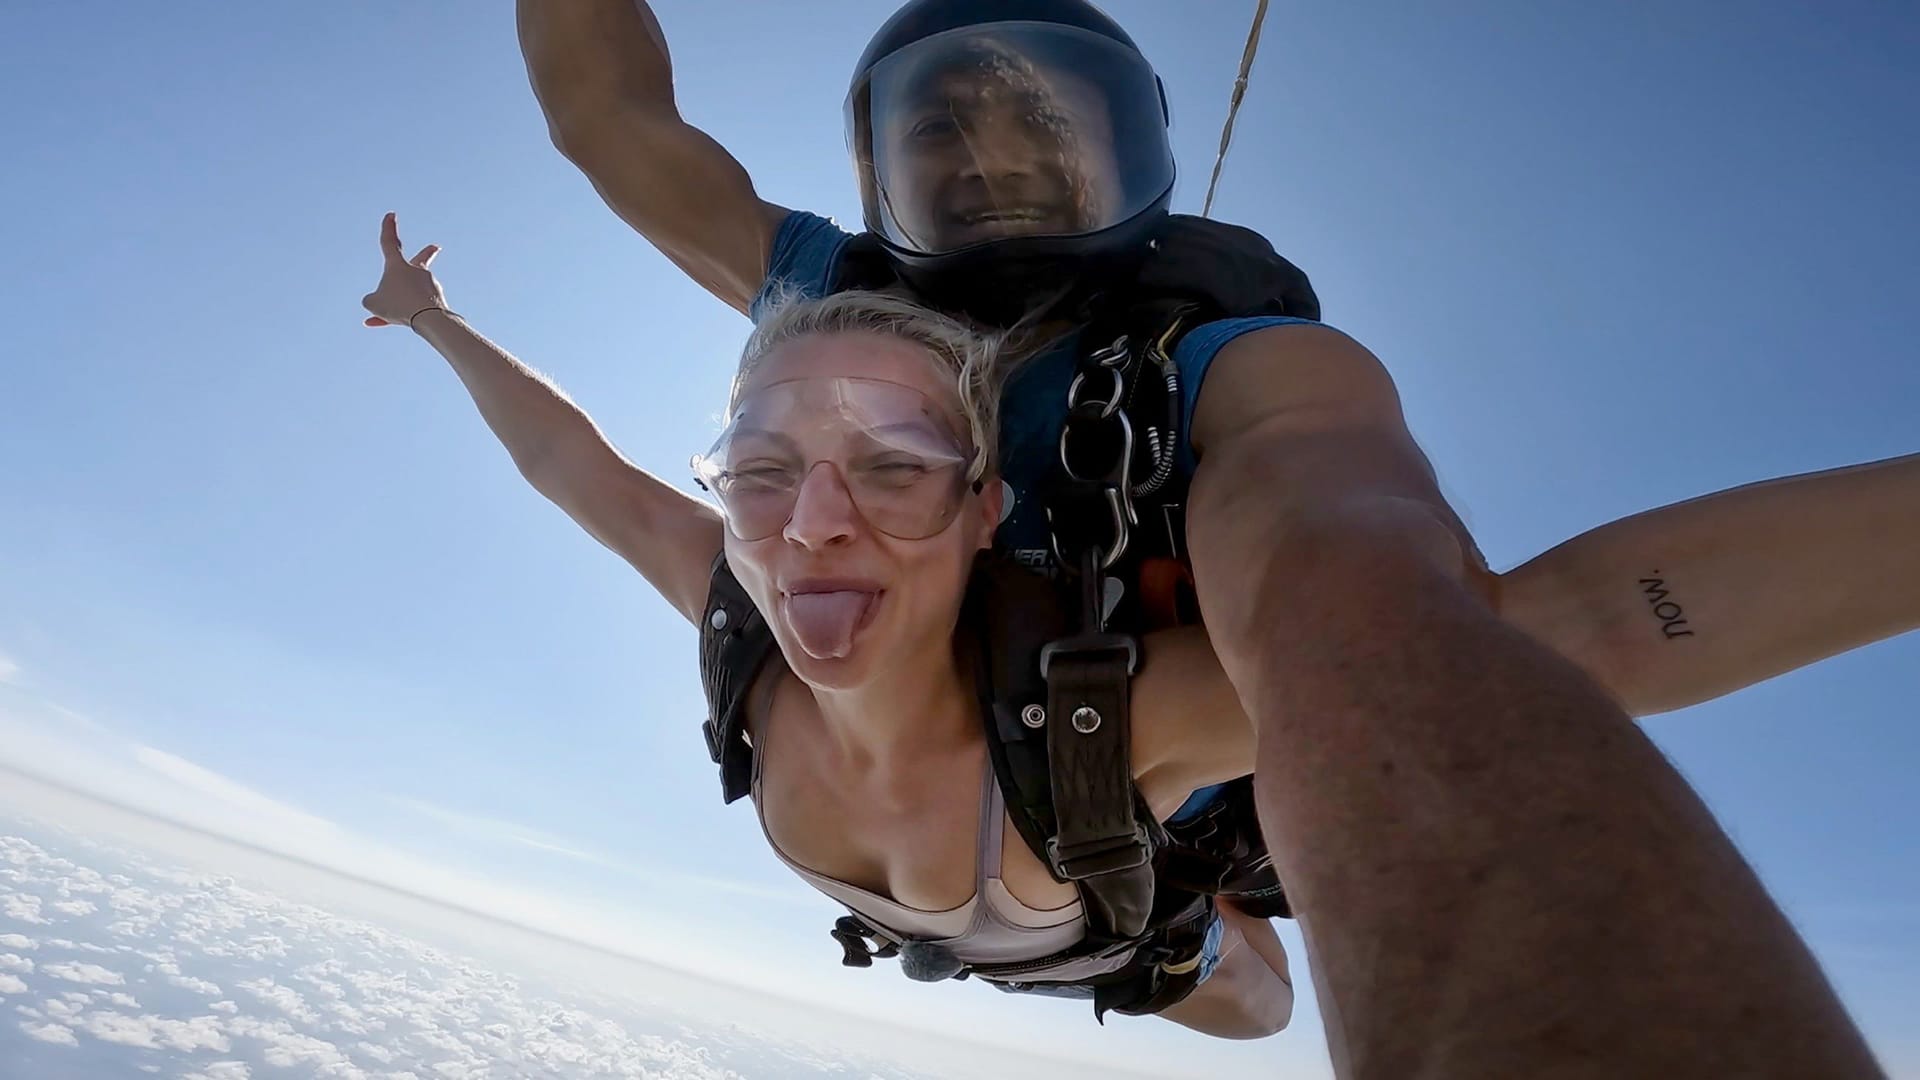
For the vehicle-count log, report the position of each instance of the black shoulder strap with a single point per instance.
(1057, 732)
(735, 643)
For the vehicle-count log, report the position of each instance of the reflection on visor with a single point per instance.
(895, 452)
(1008, 129)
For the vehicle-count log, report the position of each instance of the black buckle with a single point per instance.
(1102, 856)
(1090, 646)
(853, 935)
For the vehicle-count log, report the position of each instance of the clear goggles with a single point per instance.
(896, 454)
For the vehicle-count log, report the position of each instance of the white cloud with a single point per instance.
(50, 1033)
(21, 704)
(235, 795)
(88, 974)
(11, 984)
(429, 1008)
(222, 1070)
(12, 962)
(504, 832)
(75, 908)
(286, 1048)
(284, 998)
(117, 1028)
(507, 832)
(158, 1032)
(16, 941)
(22, 909)
(197, 985)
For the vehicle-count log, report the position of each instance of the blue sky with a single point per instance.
(1615, 255)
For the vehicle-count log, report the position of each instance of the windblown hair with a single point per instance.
(977, 361)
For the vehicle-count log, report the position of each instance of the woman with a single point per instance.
(880, 793)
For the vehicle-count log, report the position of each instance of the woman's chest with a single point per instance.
(928, 842)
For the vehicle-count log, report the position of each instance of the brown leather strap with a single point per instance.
(1099, 841)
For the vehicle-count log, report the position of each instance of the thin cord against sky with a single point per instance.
(1233, 105)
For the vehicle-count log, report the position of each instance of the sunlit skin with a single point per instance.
(917, 585)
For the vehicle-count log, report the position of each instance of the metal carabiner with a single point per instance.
(1115, 484)
(1120, 471)
(1110, 405)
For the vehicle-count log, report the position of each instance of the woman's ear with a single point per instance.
(996, 502)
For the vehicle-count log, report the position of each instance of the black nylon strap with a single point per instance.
(735, 643)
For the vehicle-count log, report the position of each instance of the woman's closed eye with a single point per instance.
(898, 470)
(754, 476)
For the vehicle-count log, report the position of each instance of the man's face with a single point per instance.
(1000, 147)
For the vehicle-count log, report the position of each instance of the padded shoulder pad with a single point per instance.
(1231, 268)
(735, 644)
(863, 264)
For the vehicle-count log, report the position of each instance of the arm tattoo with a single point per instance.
(1673, 620)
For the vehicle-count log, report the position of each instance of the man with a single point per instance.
(1496, 871)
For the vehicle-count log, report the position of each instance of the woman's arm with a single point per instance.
(669, 536)
(1682, 604)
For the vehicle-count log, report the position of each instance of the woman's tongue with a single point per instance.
(825, 621)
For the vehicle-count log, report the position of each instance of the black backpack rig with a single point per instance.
(1053, 660)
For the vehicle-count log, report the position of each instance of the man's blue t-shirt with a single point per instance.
(1033, 405)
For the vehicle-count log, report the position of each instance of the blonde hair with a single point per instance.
(977, 361)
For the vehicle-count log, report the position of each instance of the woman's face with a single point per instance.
(847, 465)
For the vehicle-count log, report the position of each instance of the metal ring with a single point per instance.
(1122, 472)
(1114, 355)
(1086, 720)
(1033, 716)
(1107, 407)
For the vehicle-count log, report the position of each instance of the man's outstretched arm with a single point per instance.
(1496, 872)
(1678, 605)
(602, 74)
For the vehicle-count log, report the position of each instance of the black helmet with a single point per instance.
(1007, 149)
